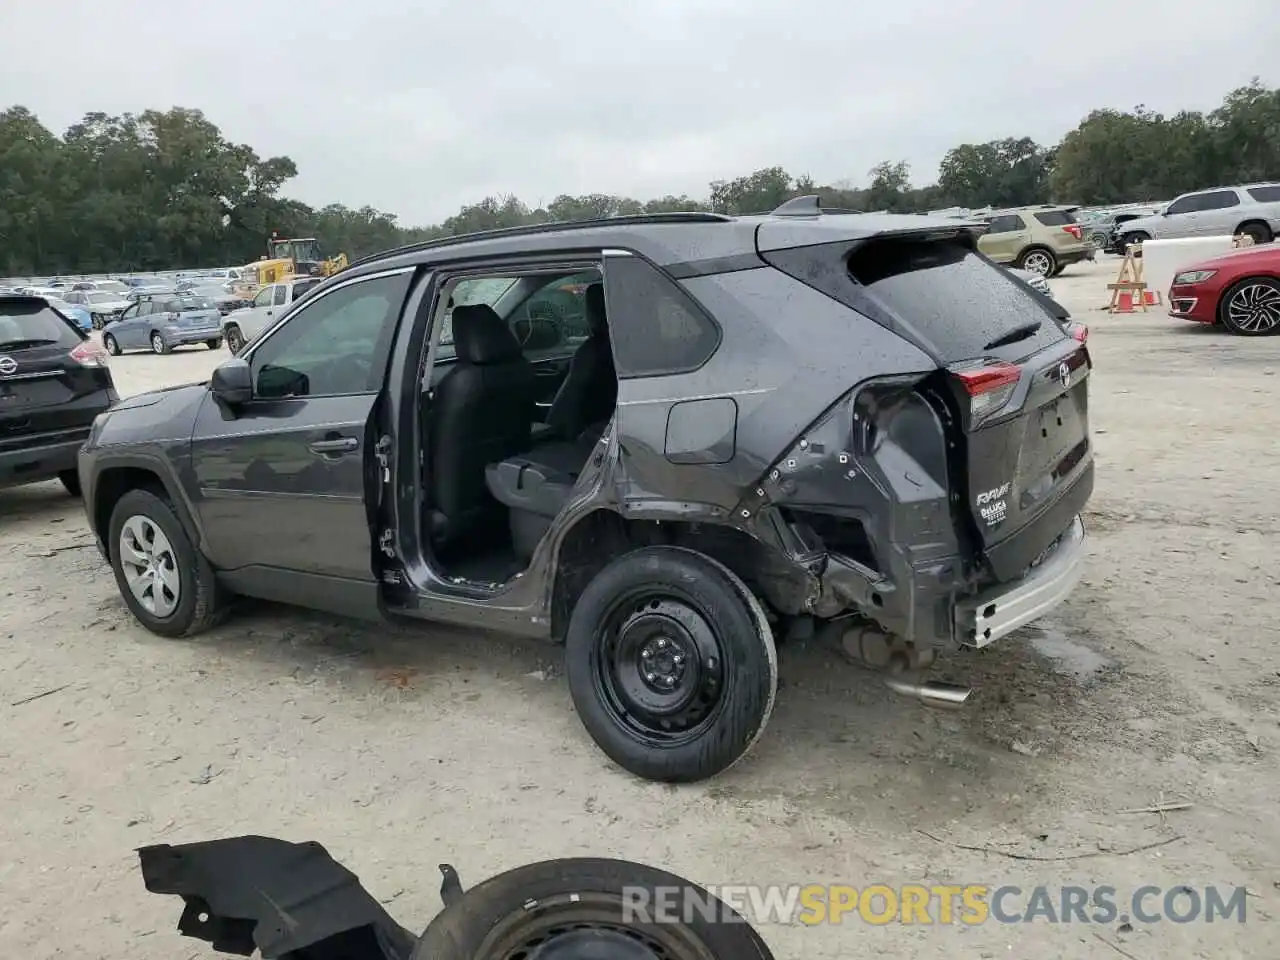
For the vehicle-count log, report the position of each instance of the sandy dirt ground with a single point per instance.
(399, 749)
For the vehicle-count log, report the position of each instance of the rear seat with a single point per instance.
(535, 486)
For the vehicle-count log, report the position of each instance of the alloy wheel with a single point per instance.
(1038, 262)
(157, 343)
(1254, 308)
(150, 566)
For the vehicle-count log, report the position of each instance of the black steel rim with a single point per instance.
(660, 668)
(575, 926)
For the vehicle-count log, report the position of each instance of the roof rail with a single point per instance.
(555, 226)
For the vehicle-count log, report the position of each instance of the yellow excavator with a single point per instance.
(303, 253)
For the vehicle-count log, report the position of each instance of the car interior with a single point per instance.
(521, 387)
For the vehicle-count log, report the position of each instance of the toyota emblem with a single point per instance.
(8, 365)
(1064, 374)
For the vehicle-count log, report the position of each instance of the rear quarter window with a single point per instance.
(656, 328)
(1265, 194)
(954, 298)
(1056, 218)
(32, 324)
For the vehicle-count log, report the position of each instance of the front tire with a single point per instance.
(159, 344)
(1130, 239)
(1252, 308)
(235, 340)
(109, 343)
(213, 344)
(96, 321)
(671, 664)
(71, 481)
(1039, 261)
(165, 582)
(588, 907)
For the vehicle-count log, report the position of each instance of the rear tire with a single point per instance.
(110, 345)
(1038, 260)
(213, 344)
(671, 664)
(594, 904)
(1257, 232)
(71, 480)
(199, 601)
(159, 345)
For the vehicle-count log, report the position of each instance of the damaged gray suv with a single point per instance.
(661, 441)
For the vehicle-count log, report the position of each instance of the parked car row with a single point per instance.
(1251, 209)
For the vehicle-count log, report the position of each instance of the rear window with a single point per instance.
(34, 325)
(184, 304)
(1265, 194)
(1056, 218)
(952, 297)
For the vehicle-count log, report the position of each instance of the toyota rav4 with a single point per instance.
(742, 428)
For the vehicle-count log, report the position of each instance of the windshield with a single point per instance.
(96, 297)
(113, 286)
(186, 304)
(33, 324)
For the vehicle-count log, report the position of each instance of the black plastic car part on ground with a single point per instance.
(753, 428)
(53, 382)
(292, 901)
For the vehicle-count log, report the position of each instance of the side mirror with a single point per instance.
(232, 382)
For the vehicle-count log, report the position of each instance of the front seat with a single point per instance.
(590, 391)
(481, 412)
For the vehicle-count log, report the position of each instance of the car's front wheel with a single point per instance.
(159, 344)
(1252, 307)
(671, 664)
(213, 344)
(96, 321)
(71, 481)
(1137, 238)
(110, 345)
(166, 583)
(235, 339)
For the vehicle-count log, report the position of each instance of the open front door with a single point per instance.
(287, 482)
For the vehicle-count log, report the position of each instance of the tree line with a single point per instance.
(161, 190)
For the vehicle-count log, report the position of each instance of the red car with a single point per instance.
(1240, 290)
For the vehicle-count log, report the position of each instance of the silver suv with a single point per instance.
(1252, 209)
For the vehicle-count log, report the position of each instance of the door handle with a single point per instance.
(335, 445)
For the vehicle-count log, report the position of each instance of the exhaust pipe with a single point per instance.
(931, 693)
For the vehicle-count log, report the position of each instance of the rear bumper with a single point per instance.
(41, 462)
(182, 338)
(999, 610)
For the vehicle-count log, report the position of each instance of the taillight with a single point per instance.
(1078, 331)
(990, 387)
(1074, 230)
(89, 354)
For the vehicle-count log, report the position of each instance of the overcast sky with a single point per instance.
(419, 106)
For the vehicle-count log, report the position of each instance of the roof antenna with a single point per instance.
(808, 206)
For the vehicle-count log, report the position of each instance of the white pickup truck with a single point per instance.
(243, 325)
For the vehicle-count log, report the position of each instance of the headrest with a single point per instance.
(593, 298)
(480, 336)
